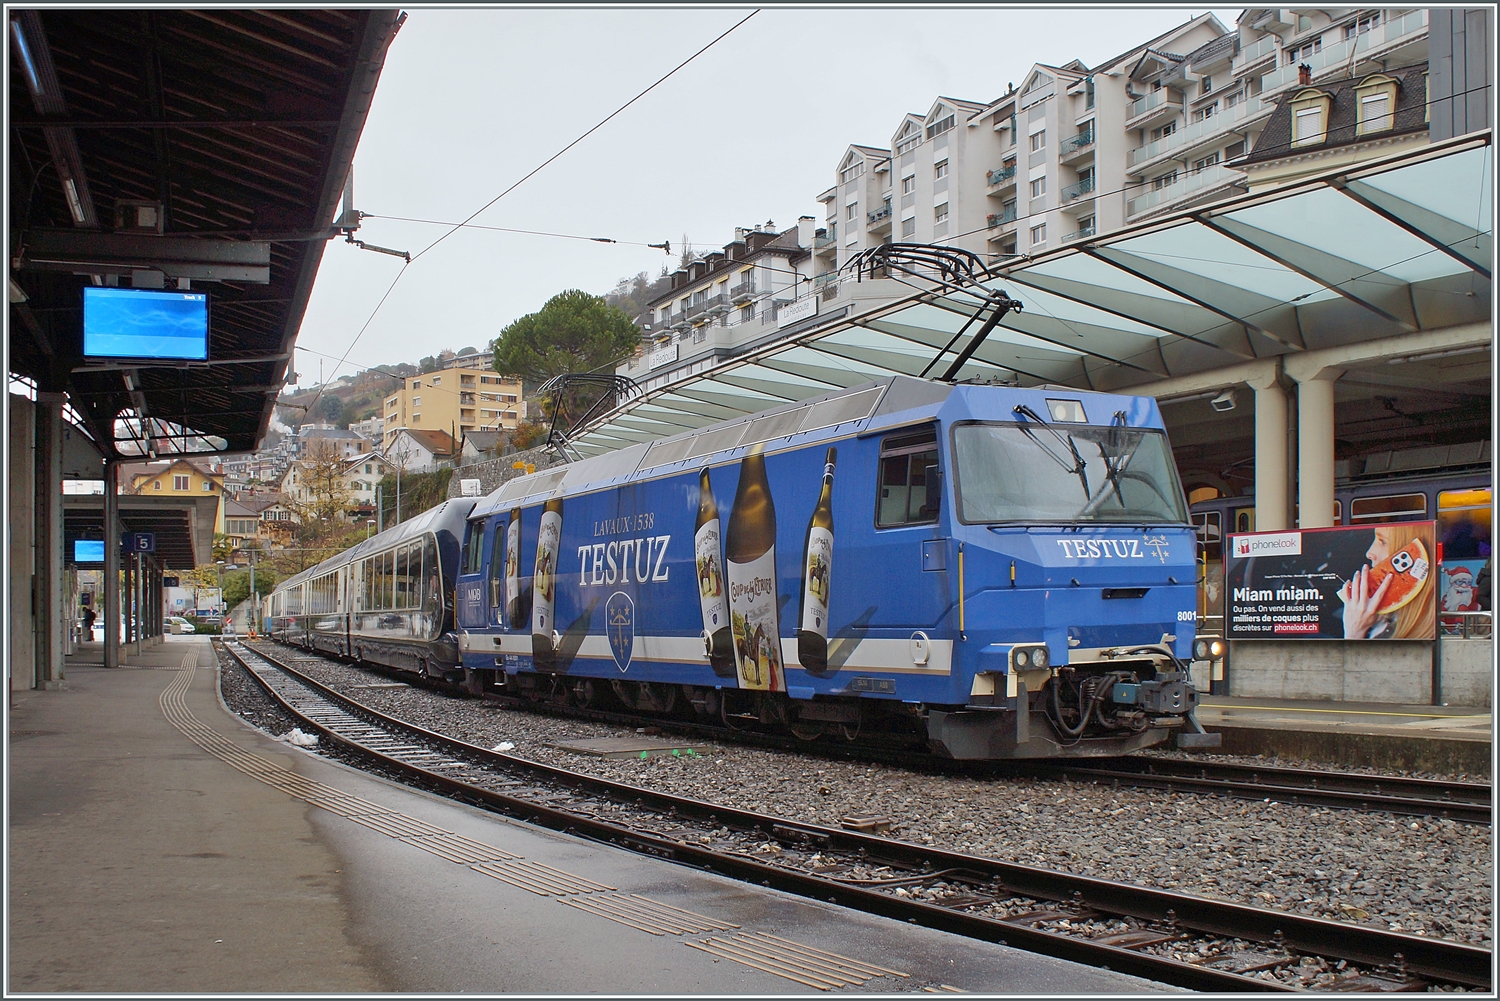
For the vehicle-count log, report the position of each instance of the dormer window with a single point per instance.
(1377, 104)
(1310, 118)
(940, 126)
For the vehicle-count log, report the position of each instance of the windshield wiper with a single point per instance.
(1078, 464)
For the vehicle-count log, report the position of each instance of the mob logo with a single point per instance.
(619, 624)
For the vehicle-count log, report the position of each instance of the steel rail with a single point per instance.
(1442, 960)
(1468, 802)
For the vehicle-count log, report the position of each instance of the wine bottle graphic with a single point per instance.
(708, 555)
(513, 570)
(544, 584)
(750, 566)
(817, 566)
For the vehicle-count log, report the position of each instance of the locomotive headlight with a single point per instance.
(1208, 649)
(1039, 657)
(1023, 659)
(1216, 648)
(1200, 650)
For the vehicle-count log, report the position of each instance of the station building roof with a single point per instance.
(1395, 246)
(152, 147)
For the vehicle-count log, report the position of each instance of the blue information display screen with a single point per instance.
(88, 551)
(140, 323)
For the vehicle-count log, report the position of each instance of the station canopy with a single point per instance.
(1393, 246)
(168, 149)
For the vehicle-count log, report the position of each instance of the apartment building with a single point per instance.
(372, 428)
(726, 302)
(465, 396)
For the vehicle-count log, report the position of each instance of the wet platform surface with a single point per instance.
(160, 845)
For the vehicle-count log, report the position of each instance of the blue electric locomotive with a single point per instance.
(1001, 572)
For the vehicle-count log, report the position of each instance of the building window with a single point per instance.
(1363, 25)
(1207, 161)
(940, 169)
(416, 401)
(1207, 111)
(1377, 99)
(1233, 150)
(1230, 100)
(437, 380)
(1303, 52)
(851, 210)
(908, 227)
(1039, 140)
(1038, 234)
(180, 483)
(908, 184)
(1164, 131)
(1039, 187)
(1165, 180)
(852, 171)
(747, 313)
(940, 214)
(1307, 122)
(939, 127)
(208, 487)
(908, 144)
(156, 485)
(1207, 85)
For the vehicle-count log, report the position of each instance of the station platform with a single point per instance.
(158, 844)
(1447, 739)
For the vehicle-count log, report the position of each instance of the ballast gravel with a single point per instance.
(1423, 876)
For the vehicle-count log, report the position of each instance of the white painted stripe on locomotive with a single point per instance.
(892, 656)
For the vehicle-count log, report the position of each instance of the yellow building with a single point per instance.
(461, 398)
(175, 477)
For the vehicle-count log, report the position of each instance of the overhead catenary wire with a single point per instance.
(416, 257)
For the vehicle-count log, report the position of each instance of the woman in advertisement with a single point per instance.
(1390, 597)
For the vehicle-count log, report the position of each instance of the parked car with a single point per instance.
(178, 624)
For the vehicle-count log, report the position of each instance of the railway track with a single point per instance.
(1468, 802)
(1179, 939)
(1463, 802)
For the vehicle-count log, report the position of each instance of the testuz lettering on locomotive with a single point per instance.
(1013, 573)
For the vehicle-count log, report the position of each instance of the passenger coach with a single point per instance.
(388, 600)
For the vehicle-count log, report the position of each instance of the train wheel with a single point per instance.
(583, 693)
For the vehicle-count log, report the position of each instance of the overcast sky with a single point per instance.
(752, 130)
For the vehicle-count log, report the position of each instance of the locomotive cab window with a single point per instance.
(909, 482)
(474, 547)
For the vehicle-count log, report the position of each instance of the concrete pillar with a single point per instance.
(111, 609)
(52, 611)
(20, 533)
(1315, 450)
(1270, 454)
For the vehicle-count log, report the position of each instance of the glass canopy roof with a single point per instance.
(1399, 245)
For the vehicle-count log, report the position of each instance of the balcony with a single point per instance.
(1152, 109)
(1075, 145)
(1002, 217)
(716, 305)
(1197, 132)
(825, 246)
(680, 321)
(880, 218)
(466, 399)
(1005, 176)
(1252, 55)
(1193, 183)
(1083, 187)
(743, 292)
(1372, 44)
(1082, 233)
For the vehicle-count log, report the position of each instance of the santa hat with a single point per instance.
(1454, 573)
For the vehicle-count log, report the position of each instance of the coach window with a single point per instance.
(1392, 507)
(387, 579)
(1463, 518)
(498, 557)
(904, 463)
(432, 573)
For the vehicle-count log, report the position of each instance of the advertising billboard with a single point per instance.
(1375, 582)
